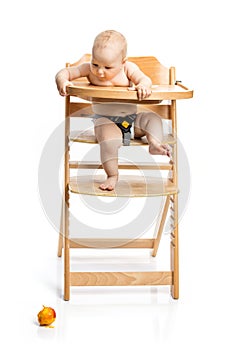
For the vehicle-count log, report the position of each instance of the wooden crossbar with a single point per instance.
(121, 278)
(107, 243)
(97, 165)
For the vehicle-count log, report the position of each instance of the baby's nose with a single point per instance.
(100, 72)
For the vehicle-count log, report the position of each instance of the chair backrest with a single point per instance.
(158, 73)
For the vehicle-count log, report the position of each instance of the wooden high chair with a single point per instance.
(165, 91)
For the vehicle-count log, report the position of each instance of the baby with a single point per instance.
(109, 67)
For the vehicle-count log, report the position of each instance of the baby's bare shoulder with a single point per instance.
(130, 68)
(84, 68)
(81, 70)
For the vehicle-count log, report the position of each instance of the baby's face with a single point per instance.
(106, 63)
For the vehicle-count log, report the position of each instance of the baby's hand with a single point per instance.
(142, 91)
(63, 86)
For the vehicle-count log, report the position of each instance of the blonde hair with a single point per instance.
(111, 37)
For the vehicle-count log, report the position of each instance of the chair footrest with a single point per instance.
(127, 186)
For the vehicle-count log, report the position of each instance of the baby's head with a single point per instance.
(108, 54)
(111, 39)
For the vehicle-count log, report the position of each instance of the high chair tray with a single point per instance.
(91, 92)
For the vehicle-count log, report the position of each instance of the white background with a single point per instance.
(37, 38)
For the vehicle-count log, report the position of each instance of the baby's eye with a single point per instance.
(94, 65)
(108, 67)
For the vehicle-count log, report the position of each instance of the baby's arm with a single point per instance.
(141, 81)
(66, 75)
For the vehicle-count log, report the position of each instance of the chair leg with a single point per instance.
(66, 255)
(61, 240)
(174, 250)
(60, 245)
(66, 204)
(66, 270)
(162, 219)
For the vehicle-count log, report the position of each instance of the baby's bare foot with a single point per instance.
(110, 183)
(159, 149)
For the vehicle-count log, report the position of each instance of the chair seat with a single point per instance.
(127, 186)
(88, 136)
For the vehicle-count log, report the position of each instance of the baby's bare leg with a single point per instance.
(149, 124)
(109, 137)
